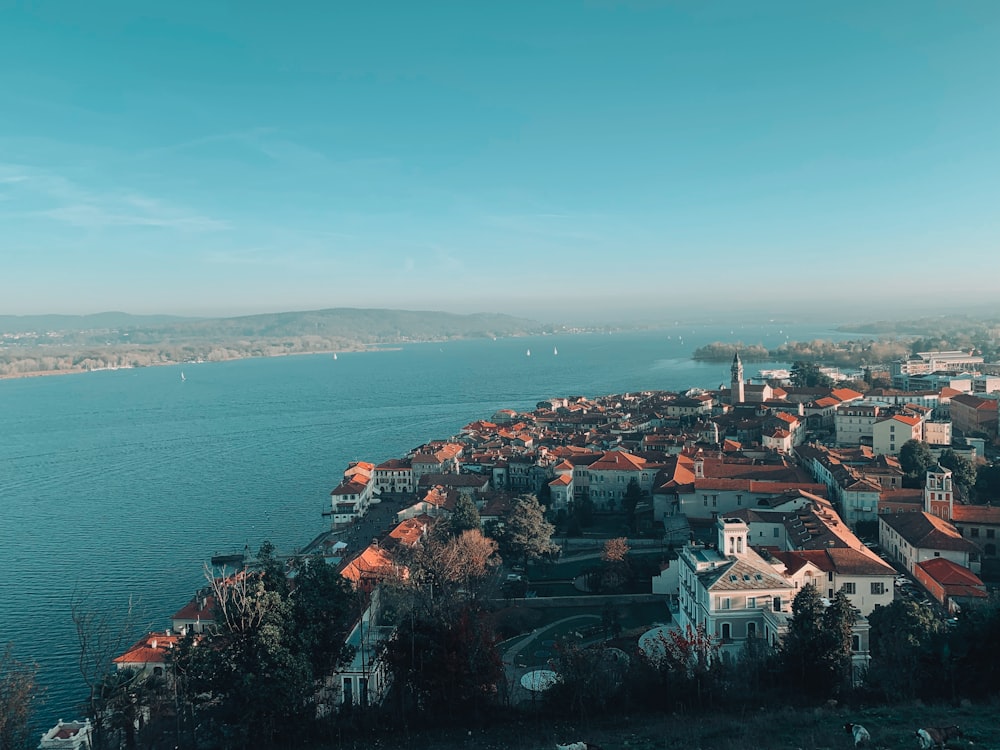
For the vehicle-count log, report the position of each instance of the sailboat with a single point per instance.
(529, 352)
(555, 351)
(335, 355)
(182, 376)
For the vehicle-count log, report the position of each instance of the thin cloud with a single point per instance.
(51, 196)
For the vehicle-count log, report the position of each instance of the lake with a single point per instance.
(120, 484)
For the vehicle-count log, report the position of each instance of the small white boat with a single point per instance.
(554, 351)
(529, 352)
(182, 376)
(335, 355)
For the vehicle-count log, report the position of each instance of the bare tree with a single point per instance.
(102, 635)
(241, 603)
(19, 696)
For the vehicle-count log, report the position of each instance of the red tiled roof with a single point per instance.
(949, 573)
(150, 649)
(927, 532)
(618, 461)
(982, 514)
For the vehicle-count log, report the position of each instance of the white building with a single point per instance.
(728, 589)
(393, 476)
(853, 422)
(889, 433)
(912, 538)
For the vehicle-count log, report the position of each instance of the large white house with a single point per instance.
(727, 589)
(735, 593)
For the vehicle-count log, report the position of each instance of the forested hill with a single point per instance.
(364, 326)
(45, 344)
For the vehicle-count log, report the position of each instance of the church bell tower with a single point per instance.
(736, 395)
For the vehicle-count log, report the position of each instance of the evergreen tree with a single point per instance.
(465, 516)
(901, 640)
(838, 626)
(808, 375)
(816, 652)
(526, 535)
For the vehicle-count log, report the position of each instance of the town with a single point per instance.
(630, 523)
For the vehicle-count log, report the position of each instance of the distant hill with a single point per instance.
(33, 345)
(367, 326)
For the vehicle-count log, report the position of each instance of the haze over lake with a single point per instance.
(123, 483)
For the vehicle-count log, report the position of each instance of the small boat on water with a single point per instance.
(335, 355)
(529, 352)
(555, 351)
(182, 376)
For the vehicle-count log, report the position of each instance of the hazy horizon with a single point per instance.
(565, 161)
(612, 317)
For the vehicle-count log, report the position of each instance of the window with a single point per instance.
(751, 603)
(829, 576)
(878, 588)
(849, 588)
(776, 531)
(974, 532)
(776, 604)
(727, 632)
(725, 602)
(991, 533)
(751, 630)
(855, 643)
(348, 691)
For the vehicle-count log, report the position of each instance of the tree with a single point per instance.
(963, 473)
(631, 499)
(901, 639)
(444, 564)
(102, 634)
(816, 651)
(275, 643)
(252, 666)
(615, 550)
(465, 516)
(19, 696)
(988, 482)
(526, 535)
(444, 662)
(582, 512)
(915, 459)
(583, 687)
(323, 608)
(808, 375)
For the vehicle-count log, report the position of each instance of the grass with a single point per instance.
(809, 728)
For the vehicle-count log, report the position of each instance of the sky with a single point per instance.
(549, 159)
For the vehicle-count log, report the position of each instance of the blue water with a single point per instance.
(122, 484)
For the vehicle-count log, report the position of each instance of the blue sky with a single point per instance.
(547, 158)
